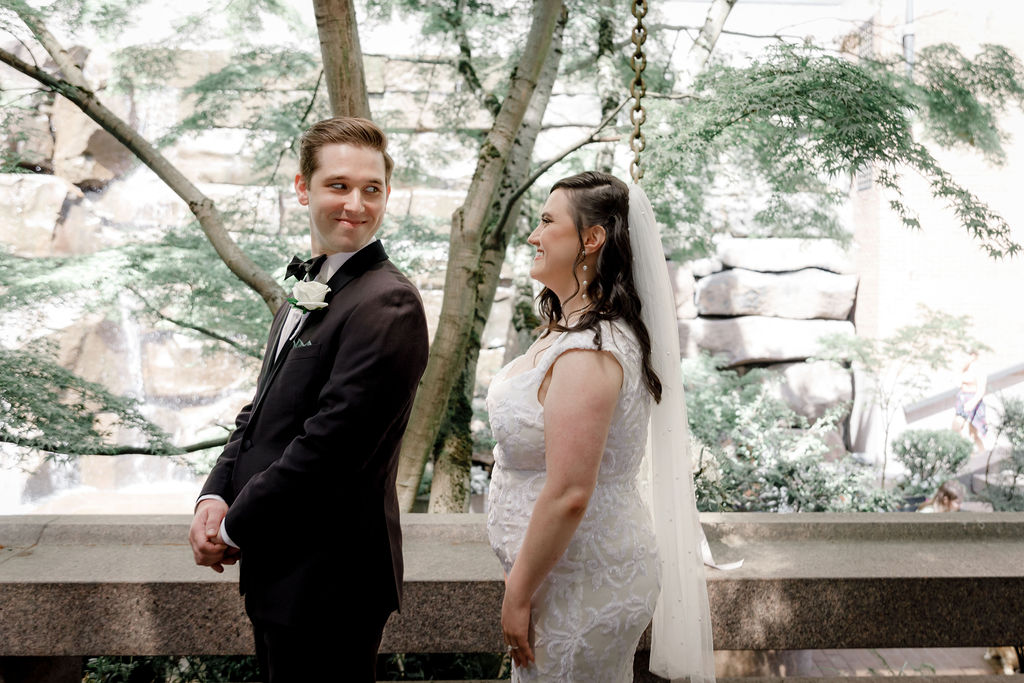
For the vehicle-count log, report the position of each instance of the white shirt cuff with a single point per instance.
(223, 529)
(209, 496)
(224, 534)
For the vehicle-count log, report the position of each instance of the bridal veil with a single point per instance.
(681, 645)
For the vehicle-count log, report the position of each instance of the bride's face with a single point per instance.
(558, 246)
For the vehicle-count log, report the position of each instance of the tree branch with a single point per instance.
(543, 168)
(342, 57)
(195, 328)
(705, 41)
(464, 64)
(672, 96)
(121, 450)
(767, 36)
(61, 57)
(413, 60)
(210, 219)
(305, 115)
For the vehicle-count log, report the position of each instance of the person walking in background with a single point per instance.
(303, 495)
(970, 402)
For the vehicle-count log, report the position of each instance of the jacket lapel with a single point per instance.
(268, 356)
(358, 264)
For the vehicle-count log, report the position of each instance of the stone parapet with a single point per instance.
(87, 585)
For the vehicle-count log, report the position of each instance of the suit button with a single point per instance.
(246, 445)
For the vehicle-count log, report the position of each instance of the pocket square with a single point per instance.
(298, 342)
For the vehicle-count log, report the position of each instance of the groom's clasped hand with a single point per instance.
(208, 549)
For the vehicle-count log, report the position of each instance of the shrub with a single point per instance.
(931, 456)
(186, 669)
(753, 453)
(1003, 493)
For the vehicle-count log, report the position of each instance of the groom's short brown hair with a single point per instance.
(342, 130)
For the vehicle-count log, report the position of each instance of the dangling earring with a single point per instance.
(583, 254)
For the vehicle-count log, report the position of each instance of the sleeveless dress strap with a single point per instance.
(615, 339)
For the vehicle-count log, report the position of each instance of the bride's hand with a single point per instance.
(515, 623)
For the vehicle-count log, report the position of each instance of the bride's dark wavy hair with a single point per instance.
(601, 199)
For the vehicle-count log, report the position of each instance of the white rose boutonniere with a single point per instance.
(309, 296)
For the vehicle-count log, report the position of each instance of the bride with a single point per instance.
(567, 518)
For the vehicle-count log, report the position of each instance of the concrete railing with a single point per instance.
(926, 407)
(119, 585)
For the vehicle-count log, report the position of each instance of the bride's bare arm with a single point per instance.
(578, 407)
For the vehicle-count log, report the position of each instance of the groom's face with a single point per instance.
(346, 195)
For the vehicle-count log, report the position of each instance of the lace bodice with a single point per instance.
(590, 611)
(517, 418)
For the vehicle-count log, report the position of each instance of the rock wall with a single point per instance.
(761, 302)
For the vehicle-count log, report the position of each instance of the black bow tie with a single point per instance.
(301, 270)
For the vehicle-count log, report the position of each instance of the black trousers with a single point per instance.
(342, 650)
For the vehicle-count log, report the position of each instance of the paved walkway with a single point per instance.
(962, 661)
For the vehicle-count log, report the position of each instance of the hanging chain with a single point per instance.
(638, 88)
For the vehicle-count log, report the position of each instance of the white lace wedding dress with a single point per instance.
(591, 610)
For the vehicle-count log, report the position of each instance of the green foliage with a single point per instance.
(931, 456)
(1003, 490)
(179, 282)
(417, 244)
(924, 669)
(49, 408)
(961, 99)
(898, 368)
(188, 669)
(910, 355)
(273, 93)
(755, 454)
(800, 122)
(182, 284)
(447, 666)
(38, 284)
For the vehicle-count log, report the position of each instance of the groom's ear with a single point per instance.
(301, 190)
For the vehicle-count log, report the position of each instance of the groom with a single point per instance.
(304, 492)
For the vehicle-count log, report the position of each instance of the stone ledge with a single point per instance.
(866, 679)
(127, 585)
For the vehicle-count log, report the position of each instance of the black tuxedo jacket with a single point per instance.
(309, 472)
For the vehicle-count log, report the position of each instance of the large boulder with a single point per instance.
(84, 153)
(757, 339)
(683, 283)
(177, 367)
(804, 294)
(220, 155)
(776, 255)
(139, 200)
(29, 139)
(31, 207)
(813, 387)
(105, 351)
(429, 201)
(703, 267)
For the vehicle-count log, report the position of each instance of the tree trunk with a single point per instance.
(73, 86)
(450, 488)
(455, 456)
(463, 277)
(342, 57)
(704, 44)
(523, 320)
